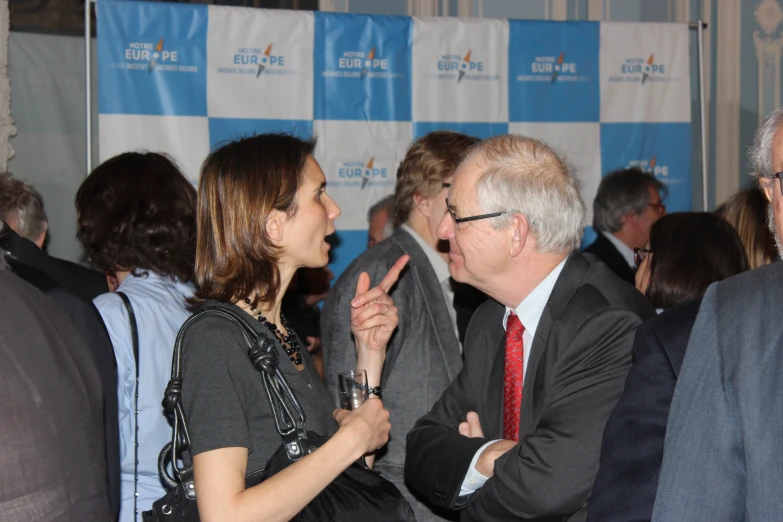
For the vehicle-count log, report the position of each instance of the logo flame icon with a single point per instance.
(367, 172)
(645, 75)
(262, 65)
(652, 162)
(158, 48)
(368, 63)
(464, 66)
(557, 67)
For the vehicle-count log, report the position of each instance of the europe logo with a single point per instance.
(361, 65)
(257, 61)
(361, 174)
(652, 166)
(459, 67)
(642, 70)
(551, 69)
(151, 56)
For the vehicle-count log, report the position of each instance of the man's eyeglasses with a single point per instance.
(777, 175)
(640, 254)
(459, 220)
(660, 207)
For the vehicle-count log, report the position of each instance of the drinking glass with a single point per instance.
(353, 388)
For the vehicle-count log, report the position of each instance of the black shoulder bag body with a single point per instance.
(135, 341)
(358, 494)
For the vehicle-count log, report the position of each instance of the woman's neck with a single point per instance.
(270, 310)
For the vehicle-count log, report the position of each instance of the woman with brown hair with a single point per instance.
(137, 221)
(263, 213)
(686, 253)
(747, 212)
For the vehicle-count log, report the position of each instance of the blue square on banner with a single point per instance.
(362, 67)
(152, 58)
(662, 149)
(479, 130)
(222, 130)
(553, 71)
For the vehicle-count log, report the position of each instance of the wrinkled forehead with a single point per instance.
(777, 150)
(463, 183)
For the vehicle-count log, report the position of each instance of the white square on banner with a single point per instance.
(183, 138)
(360, 160)
(645, 73)
(579, 144)
(460, 70)
(260, 64)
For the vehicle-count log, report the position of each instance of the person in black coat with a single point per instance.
(687, 252)
(627, 204)
(33, 265)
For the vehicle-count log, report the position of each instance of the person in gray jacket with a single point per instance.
(424, 354)
(723, 453)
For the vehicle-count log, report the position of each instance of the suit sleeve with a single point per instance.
(632, 448)
(338, 344)
(702, 477)
(550, 473)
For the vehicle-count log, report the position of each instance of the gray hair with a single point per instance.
(527, 176)
(620, 192)
(760, 154)
(21, 202)
(386, 203)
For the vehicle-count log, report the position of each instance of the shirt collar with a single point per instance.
(532, 307)
(440, 266)
(625, 250)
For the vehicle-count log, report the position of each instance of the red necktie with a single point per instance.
(512, 379)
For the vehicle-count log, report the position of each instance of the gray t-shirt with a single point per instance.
(223, 394)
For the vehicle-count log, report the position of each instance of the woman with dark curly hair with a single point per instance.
(137, 221)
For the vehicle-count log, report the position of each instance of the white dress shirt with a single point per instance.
(625, 250)
(529, 312)
(441, 268)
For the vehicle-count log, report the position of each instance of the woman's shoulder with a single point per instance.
(209, 332)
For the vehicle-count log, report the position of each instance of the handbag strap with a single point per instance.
(289, 421)
(135, 340)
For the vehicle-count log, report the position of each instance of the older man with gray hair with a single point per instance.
(627, 204)
(723, 454)
(516, 436)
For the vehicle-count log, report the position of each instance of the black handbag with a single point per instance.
(358, 494)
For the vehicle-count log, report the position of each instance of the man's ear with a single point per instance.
(768, 186)
(518, 234)
(424, 204)
(42, 238)
(274, 225)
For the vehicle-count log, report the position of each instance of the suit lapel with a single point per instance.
(435, 302)
(567, 283)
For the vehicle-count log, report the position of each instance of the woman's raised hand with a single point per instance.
(373, 314)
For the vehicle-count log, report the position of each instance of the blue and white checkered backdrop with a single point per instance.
(183, 78)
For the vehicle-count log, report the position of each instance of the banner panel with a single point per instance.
(152, 58)
(460, 70)
(553, 71)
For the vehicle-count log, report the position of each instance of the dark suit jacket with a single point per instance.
(423, 355)
(632, 449)
(30, 263)
(723, 454)
(604, 250)
(575, 374)
(91, 282)
(51, 432)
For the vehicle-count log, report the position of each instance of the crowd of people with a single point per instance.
(509, 376)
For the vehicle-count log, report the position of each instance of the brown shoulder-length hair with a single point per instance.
(136, 212)
(690, 251)
(241, 183)
(747, 211)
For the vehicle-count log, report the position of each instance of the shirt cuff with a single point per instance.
(474, 480)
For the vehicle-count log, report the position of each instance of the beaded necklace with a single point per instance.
(289, 341)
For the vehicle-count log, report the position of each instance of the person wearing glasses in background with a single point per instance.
(687, 252)
(424, 355)
(516, 436)
(627, 204)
